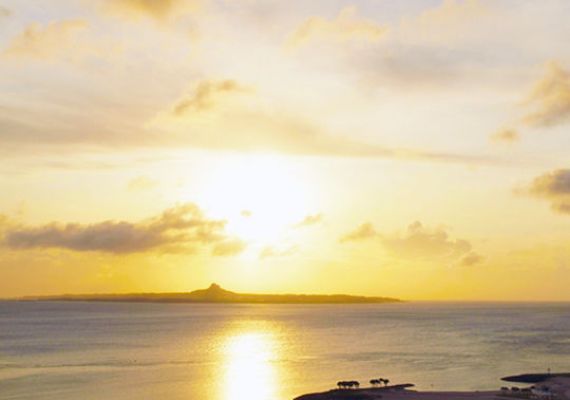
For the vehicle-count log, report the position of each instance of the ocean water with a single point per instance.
(58, 350)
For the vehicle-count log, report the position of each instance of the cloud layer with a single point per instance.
(179, 229)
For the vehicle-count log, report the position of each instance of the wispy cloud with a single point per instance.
(505, 136)
(309, 220)
(272, 251)
(212, 118)
(205, 95)
(156, 9)
(229, 247)
(141, 183)
(347, 25)
(4, 12)
(447, 23)
(363, 232)
(48, 41)
(550, 98)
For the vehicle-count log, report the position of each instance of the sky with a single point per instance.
(411, 149)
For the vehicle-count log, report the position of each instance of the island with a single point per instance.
(216, 294)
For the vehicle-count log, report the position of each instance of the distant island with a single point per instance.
(216, 294)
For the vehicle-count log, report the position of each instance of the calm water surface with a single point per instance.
(51, 350)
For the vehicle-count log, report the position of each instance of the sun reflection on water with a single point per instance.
(250, 371)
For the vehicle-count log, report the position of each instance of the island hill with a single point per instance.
(215, 294)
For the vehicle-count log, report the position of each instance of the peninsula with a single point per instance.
(216, 294)
(549, 386)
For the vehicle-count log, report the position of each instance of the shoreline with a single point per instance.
(554, 386)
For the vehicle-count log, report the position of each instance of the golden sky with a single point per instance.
(413, 149)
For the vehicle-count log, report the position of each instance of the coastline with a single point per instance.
(391, 394)
(544, 387)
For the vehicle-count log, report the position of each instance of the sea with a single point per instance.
(111, 351)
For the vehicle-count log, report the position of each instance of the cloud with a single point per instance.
(56, 39)
(550, 98)
(205, 96)
(363, 232)
(419, 243)
(156, 9)
(229, 247)
(347, 25)
(270, 251)
(437, 46)
(553, 186)
(310, 220)
(562, 207)
(505, 135)
(141, 183)
(231, 123)
(178, 229)
(212, 119)
(471, 259)
(4, 12)
(449, 21)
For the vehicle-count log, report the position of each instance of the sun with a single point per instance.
(261, 196)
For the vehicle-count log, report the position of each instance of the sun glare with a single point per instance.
(250, 373)
(249, 192)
